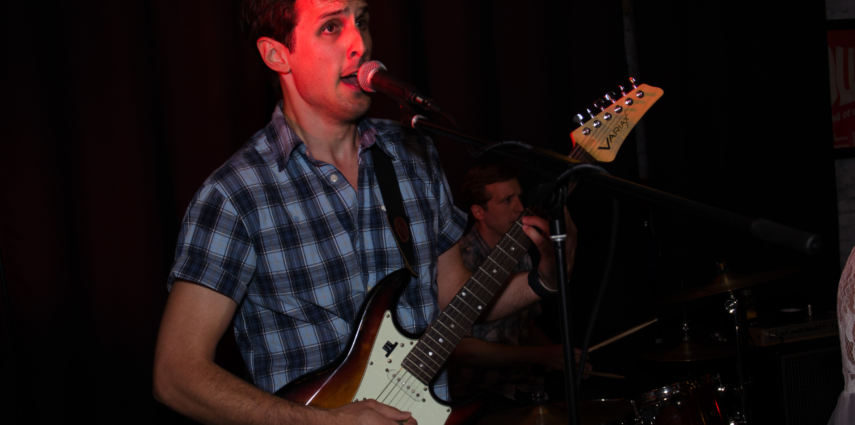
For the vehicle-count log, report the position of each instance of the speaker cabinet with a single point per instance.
(796, 383)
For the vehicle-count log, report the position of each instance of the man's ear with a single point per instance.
(477, 212)
(274, 54)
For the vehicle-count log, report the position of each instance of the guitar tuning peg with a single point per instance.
(611, 97)
(622, 90)
(599, 104)
(596, 123)
(580, 119)
(640, 93)
(633, 82)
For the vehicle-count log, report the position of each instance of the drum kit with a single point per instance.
(703, 399)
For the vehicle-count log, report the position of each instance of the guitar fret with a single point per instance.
(481, 285)
(504, 261)
(495, 271)
(462, 317)
(450, 329)
(479, 290)
(437, 346)
(474, 294)
(425, 363)
(451, 305)
(496, 278)
(427, 355)
(452, 326)
(411, 366)
(473, 309)
(508, 256)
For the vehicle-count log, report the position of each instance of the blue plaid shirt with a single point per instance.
(298, 248)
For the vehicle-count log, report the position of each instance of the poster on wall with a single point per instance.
(841, 65)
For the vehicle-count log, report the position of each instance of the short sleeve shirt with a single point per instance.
(298, 248)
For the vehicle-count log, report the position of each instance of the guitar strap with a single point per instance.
(391, 193)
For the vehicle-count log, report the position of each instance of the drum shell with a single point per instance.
(681, 403)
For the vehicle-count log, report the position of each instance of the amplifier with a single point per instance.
(811, 329)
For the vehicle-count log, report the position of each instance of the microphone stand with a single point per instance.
(562, 168)
(552, 164)
(558, 235)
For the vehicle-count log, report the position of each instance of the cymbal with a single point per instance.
(728, 281)
(689, 352)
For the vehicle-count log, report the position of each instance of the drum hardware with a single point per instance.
(688, 350)
(732, 307)
(690, 402)
(726, 281)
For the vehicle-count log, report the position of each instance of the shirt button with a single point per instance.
(334, 178)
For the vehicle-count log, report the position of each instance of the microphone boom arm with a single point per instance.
(562, 169)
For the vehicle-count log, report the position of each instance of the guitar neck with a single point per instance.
(596, 140)
(456, 320)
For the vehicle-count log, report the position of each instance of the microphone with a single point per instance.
(372, 77)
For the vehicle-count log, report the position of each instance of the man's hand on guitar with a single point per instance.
(371, 412)
(537, 229)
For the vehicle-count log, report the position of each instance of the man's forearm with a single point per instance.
(517, 294)
(211, 395)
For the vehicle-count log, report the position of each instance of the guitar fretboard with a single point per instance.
(456, 320)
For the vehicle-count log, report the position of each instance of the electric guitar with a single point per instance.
(384, 363)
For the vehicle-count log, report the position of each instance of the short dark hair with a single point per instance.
(480, 175)
(270, 18)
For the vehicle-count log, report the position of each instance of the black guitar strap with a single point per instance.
(391, 193)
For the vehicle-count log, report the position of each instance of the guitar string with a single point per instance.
(388, 391)
(386, 396)
(390, 383)
(408, 400)
(396, 392)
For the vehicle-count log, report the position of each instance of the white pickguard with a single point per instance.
(386, 381)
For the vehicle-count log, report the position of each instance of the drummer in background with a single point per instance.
(844, 413)
(501, 356)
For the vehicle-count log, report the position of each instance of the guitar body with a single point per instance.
(371, 366)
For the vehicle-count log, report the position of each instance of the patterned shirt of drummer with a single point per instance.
(298, 248)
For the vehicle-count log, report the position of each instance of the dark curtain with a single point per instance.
(117, 110)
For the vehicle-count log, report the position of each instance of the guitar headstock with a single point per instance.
(602, 134)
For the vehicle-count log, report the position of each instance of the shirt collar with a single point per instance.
(285, 140)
